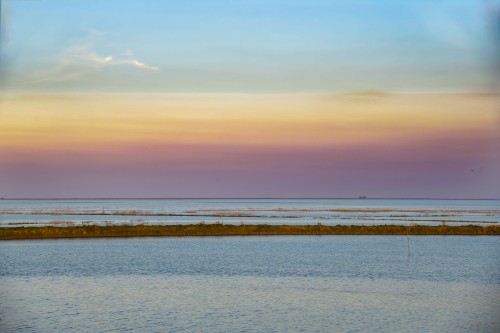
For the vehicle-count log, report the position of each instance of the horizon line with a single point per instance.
(246, 198)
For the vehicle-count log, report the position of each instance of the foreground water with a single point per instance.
(251, 284)
(248, 211)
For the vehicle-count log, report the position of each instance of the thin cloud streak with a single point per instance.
(81, 59)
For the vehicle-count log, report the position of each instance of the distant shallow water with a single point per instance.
(248, 211)
(258, 284)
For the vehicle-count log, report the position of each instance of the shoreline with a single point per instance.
(94, 231)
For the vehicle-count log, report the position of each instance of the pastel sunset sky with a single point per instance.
(249, 99)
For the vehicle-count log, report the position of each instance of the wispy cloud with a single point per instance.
(129, 59)
(81, 59)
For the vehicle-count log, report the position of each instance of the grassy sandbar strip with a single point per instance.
(237, 230)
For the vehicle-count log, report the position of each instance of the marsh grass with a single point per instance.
(220, 229)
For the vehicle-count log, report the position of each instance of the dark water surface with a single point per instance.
(251, 284)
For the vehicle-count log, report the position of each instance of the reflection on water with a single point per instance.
(249, 211)
(244, 304)
(257, 284)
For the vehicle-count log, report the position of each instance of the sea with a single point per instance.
(250, 283)
(248, 211)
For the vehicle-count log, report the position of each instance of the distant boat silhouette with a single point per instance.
(362, 197)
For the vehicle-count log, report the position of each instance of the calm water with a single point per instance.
(248, 211)
(251, 284)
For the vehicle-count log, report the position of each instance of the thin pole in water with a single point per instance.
(408, 238)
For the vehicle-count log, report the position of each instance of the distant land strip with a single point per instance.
(219, 229)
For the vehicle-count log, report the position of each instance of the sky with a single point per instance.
(250, 99)
(247, 46)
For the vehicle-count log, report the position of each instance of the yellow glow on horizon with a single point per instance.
(94, 122)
